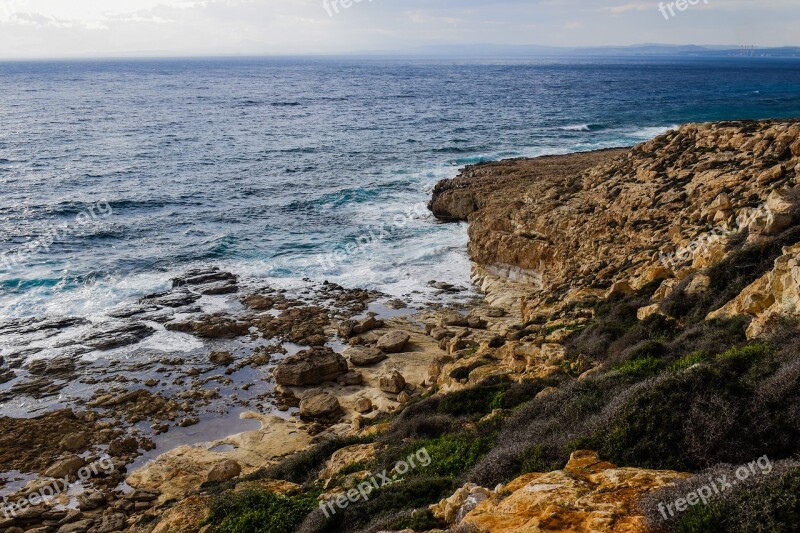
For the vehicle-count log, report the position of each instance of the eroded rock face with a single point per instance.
(776, 294)
(588, 495)
(311, 367)
(664, 209)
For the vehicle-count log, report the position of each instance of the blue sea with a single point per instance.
(117, 175)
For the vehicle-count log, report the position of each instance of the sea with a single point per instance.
(115, 176)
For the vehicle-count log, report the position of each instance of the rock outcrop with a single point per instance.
(565, 225)
(773, 296)
(311, 367)
(587, 495)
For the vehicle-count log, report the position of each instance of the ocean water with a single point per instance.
(116, 175)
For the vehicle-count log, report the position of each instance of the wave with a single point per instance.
(577, 127)
(649, 132)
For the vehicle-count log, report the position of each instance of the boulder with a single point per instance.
(311, 367)
(394, 341)
(393, 383)
(361, 356)
(320, 406)
(221, 358)
(224, 471)
(363, 405)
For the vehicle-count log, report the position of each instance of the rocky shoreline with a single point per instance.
(603, 274)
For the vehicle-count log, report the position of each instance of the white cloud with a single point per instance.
(198, 27)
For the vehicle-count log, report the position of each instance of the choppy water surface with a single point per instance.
(266, 166)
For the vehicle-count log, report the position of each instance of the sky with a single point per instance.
(109, 28)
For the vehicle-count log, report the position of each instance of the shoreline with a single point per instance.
(555, 241)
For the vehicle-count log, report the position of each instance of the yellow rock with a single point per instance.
(589, 495)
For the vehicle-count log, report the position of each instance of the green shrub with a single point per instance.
(452, 455)
(471, 401)
(688, 361)
(303, 466)
(254, 511)
(641, 367)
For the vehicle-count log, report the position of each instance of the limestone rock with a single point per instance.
(344, 457)
(68, 466)
(394, 341)
(777, 293)
(310, 367)
(363, 405)
(393, 383)
(588, 495)
(321, 406)
(363, 356)
(224, 471)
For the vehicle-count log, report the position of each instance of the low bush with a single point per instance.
(254, 511)
(768, 500)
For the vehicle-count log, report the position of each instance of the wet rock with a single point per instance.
(216, 326)
(221, 358)
(310, 367)
(258, 302)
(90, 500)
(320, 406)
(74, 442)
(109, 336)
(33, 325)
(32, 444)
(68, 466)
(109, 522)
(393, 383)
(345, 329)
(202, 276)
(304, 325)
(394, 341)
(173, 299)
(222, 287)
(81, 526)
(225, 471)
(360, 356)
(124, 446)
(189, 421)
(60, 367)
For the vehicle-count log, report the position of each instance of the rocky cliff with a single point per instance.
(581, 224)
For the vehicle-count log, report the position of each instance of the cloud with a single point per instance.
(202, 27)
(633, 6)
